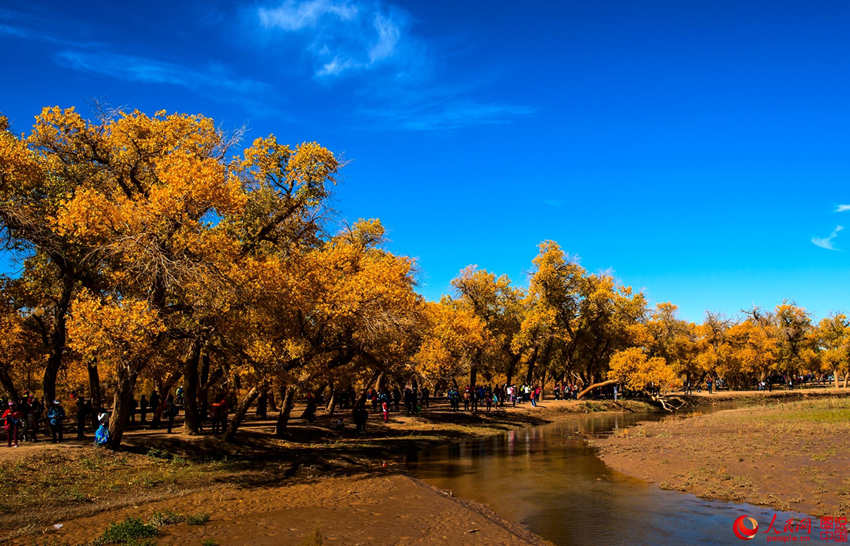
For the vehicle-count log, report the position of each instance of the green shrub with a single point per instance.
(129, 531)
(161, 519)
(197, 519)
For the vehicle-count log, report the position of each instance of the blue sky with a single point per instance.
(697, 150)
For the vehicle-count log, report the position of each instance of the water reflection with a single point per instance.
(549, 479)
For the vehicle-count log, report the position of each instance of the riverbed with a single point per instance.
(549, 479)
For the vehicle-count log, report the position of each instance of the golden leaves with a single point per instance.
(117, 330)
(635, 370)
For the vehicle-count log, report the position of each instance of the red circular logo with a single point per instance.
(743, 531)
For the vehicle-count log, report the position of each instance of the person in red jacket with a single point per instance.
(219, 424)
(11, 423)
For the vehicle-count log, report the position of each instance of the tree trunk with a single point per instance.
(532, 362)
(375, 379)
(543, 383)
(121, 406)
(263, 400)
(596, 386)
(94, 387)
(8, 384)
(285, 411)
(845, 379)
(57, 340)
(192, 419)
(514, 362)
(239, 414)
(331, 403)
(835, 377)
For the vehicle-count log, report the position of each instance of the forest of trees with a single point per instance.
(154, 254)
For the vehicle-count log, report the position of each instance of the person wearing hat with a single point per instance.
(55, 418)
(11, 423)
(101, 435)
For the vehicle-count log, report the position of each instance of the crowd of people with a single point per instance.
(25, 419)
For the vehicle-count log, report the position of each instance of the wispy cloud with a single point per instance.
(342, 37)
(27, 33)
(449, 113)
(842, 208)
(147, 70)
(827, 242)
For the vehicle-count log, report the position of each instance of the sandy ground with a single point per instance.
(787, 455)
(391, 509)
(322, 484)
(263, 489)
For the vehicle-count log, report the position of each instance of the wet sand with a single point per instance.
(786, 455)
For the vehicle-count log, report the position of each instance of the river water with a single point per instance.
(549, 479)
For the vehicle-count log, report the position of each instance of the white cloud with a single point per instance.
(388, 37)
(827, 242)
(344, 36)
(292, 15)
(842, 208)
(348, 37)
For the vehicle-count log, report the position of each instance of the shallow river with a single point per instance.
(549, 479)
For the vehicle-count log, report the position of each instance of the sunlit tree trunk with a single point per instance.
(122, 404)
(332, 402)
(239, 414)
(596, 386)
(285, 411)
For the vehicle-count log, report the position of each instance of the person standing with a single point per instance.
(81, 417)
(385, 406)
(23, 418)
(56, 419)
(219, 415)
(171, 412)
(134, 404)
(409, 401)
(396, 399)
(34, 417)
(360, 417)
(11, 423)
(155, 409)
